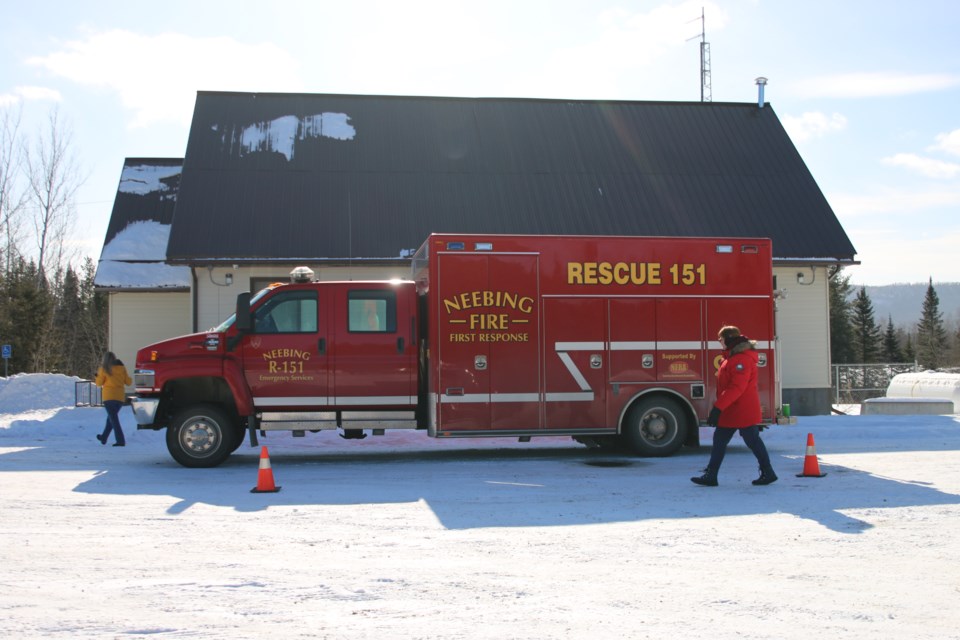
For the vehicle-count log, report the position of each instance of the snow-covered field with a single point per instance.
(401, 536)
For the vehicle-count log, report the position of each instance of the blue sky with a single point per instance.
(868, 90)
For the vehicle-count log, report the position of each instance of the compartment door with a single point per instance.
(575, 363)
(488, 343)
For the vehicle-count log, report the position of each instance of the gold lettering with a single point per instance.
(606, 273)
(621, 273)
(654, 273)
(589, 273)
(574, 273)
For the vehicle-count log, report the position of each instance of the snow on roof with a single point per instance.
(142, 179)
(140, 240)
(141, 275)
(134, 259)
(281, 134)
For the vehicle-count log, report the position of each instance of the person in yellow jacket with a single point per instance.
(112, 376)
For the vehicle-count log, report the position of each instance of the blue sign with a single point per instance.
(7, 351)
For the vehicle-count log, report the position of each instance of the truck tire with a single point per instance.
(201, 436)
(655, 427)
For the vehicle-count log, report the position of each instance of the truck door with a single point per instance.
(575, 363)
(488, 344)
(374, 352)
(284, 357)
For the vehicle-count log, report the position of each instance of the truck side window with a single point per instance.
(287, 312)
(372, 311)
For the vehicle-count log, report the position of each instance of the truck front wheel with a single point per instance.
(655, 426)
(201, 436)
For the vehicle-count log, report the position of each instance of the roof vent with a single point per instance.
(761, 83)
(301, 274)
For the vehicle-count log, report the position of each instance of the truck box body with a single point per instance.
(607, 339)
(560, 334)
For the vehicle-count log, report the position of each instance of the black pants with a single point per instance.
(750, 435)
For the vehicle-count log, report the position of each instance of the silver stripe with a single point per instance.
(627, 345)
(572, 368)
(633, 346)
(679, 346)
(480, 398)
(570, 397)
(579, 346)
(301, 400)
(469, 398)
(326, 401)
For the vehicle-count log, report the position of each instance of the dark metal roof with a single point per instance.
(134, 250)
(279, 176)
(147, 193)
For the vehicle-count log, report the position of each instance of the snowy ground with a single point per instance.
(401, 536)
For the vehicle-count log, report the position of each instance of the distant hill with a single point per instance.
(904, 302)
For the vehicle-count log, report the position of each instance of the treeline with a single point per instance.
(55, 326)
(50, 314)
(857, 337)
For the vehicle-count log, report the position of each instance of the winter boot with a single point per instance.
(708, 479)
(767, 476)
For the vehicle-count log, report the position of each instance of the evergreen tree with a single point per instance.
(29, 306)
(891, 351)
(909, 351)
(955, 360)
(931, 336)
(48, 349)
(93, 323)
(69, 318)
(866, 333)
(841, 330)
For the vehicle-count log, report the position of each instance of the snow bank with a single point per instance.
(36, 391)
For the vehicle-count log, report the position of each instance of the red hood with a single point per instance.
(191, 345)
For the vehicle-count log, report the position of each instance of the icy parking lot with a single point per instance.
(401, 536)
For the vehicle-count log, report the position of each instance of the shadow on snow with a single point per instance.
(509, 486)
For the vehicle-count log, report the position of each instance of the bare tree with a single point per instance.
(53, 177)
(12, 196)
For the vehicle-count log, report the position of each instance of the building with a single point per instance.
(148, 299)
(350, 185)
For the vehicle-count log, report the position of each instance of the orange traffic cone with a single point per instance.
(811, 466)
(265, 476)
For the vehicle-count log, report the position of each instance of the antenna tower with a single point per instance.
(706, 89)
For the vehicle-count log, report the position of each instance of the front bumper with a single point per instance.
(144, 410)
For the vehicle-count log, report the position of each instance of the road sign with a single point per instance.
(7, 351)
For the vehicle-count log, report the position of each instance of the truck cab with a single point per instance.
(305, 354)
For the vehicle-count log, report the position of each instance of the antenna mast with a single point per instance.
(706, 89)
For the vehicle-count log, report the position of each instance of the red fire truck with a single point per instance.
(610, 340)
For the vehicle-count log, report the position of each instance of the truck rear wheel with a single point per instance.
(201, 436)
(655, 426)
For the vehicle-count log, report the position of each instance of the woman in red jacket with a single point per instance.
(737, 407)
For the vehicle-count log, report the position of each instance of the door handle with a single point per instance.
(399, 345)
(322, 346)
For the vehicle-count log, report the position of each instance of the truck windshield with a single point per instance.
(226, 324)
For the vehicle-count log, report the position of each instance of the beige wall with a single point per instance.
(803, 326)
(216, 300)
(141, 318)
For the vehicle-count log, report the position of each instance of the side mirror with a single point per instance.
(244, 320)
